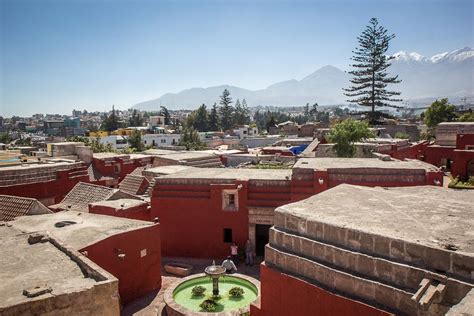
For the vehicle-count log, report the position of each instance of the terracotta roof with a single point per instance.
(12, 207)
(134, 184)
(82, 194)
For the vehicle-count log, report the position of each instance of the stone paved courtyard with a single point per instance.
(153, 304)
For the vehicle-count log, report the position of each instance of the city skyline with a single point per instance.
(56, 56)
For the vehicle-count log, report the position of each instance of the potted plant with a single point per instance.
(198, 290)
(208, 305)
(236, 292)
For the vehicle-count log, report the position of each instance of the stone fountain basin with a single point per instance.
(250, 285)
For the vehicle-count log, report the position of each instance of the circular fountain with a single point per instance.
(215, 272)
(217, 288)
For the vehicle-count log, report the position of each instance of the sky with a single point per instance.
(59, 55)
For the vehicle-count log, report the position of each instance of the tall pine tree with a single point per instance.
(370, 76)
(226, 110)
(214, 119)
(201, 121)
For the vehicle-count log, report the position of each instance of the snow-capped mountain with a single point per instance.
(448, 74)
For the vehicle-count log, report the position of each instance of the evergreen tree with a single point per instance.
(190, 139)
(164, 111)
(213, 119)
(314, 111)
(135, 141)
(111, 122)
(201, 120)
(370, 76)
(271, 122)
(241, 113)
(226, 110)
(306, 112)
(135, 119)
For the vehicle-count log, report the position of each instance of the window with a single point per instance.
(230, 200)
(227, 235)
(245, 132)
(163, 141)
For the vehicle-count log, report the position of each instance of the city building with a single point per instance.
(232, 205)
(128, 249)
(356, 250)
(43, 276)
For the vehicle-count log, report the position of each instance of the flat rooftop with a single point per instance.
(232, 174)
(164, 170)
(120, 203)
(48, 164)
(108, 155)
(86, 230)
(427, 215)
(185, 155)
(348, 163)
(26, 266)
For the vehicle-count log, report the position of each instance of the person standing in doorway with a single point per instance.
(234, 252)
(249, 253)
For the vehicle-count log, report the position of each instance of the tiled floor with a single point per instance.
(152, 304)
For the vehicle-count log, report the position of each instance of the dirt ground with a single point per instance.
(152, 304)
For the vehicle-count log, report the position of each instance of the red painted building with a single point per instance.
(353, 250)
(126, 208)
(214, 207)
(111, 168)
(128, 249)
(47, 182)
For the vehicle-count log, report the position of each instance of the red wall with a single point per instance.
(464, 140)
(192, 219)
(53, 189)
(285, 295)
(137, 275)
(140, 212)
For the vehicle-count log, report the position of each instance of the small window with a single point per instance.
(232, 200)
(227, 235)
(163, 141)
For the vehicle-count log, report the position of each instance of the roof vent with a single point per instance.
(64, 223)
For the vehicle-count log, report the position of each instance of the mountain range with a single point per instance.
(448, 74)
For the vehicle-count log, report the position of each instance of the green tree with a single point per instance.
(370, 75)
(190, 139)
(345, 134)
(213, 119)
(135, 119)
(314, 111)
(241, 113)
(226, 110)
(201, 119)
(467, 117)
(306, 112)
(111, 122)
(164, 111)
(438, 112)
(271, 122)
(135, 141)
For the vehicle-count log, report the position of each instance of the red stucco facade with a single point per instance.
(139, 270)
(51, 191)
(140, 212)
(286, 295)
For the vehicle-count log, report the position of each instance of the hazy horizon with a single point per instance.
(56, 56)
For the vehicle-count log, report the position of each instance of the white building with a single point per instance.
(117, 141)
(157, 121)
(157, 140)
(245, 131)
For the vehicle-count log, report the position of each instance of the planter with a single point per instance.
(179, 269)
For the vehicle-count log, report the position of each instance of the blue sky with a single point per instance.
(59, 55)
